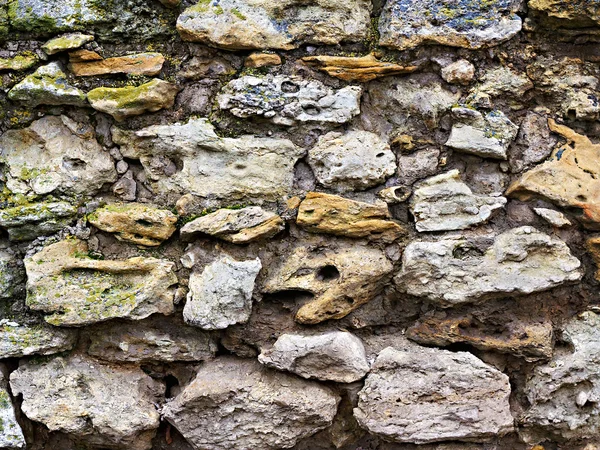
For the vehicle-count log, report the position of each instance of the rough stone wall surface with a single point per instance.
(304, 224)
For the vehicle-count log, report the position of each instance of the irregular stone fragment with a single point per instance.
(239, 226)
(66, 42)
(133, 100)
(569, 14)
(242, 168)
(152, 339)
(356, 160)
(286, 100)
(418, 165)
(553, 217)
(11, 435)
(12, 275)
(324, 213)
(394, 194)
(22, 61)
(501, 81)
(444, 203)
(569, 178)
(27, 222)
(341, 277)
(95, 404)
(262, 24)
(407, 24)
(487, 136)
(48, 85)
(356, 68)
(534, 143)
(149, 64)
(222, 408)
(135, 222)
(82, 55)
(55, 155)
(563, 392)
(593, 246)
(198, 68)
(76, 290)
(256, 60)
(18, 340)
(459, 72)
(222, 294)
(335, 356)
(455, 270)
(423, 395)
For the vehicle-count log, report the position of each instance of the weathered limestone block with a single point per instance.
(258, 59)
(286, 100)
(18, 340)
(125, 102)
(407, 24)
(487, 136)
(341, 277)
(501, 81)
(287, 24)
(459, 72)
(11, 435)
(76, 290)
(20, 62)
(48, 85)
(553, 217)
(239, 226)
(417, 165)
(149, 64)
(27, 222)
(64, 43)
(55, 155)
(242, 168)
(237, 403)
(138, 223)
(96, 404)
(455, 270)
(569, 13)
(445, 202)
(564, 392)
(154, 339)
(356, 68)
(12, 275)
(324, 213)
(356, 160)
(534, 143)
(222, 294)
(335, 355)
(569, 178)
(423, 395)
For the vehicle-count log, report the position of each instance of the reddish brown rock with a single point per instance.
(362, 69)
(149, 64)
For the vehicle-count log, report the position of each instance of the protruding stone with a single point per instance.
(286, 100)
(76, 290)
(500, 81)
(11, 435)
(459, 72)
(211, 166)
(356, 68)
(221, 408)
(406, 24)
(138, 223)
(222, 294)
(66, 42)
(569, 178)
(553, 217)
(125, 102)
(324, 213)
(423, 395)
(48, 85)
(257, 60)
(262, 24)
(394, 194)
(83, 55)
(20, 62)
(487, 136)
(95, 404)
(340, 277)
(456, 270)
(27, 222)
(566, 14)
(445, 202)
(239, 226)
(18, 340)
(356, 160)
(149, 64)
(335, 356)
(12, 274)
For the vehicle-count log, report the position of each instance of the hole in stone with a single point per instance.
(572, 114)
(311, 110)
(289, 87)
(171, 384)
(289, 296)
(327, 273)
(581, 198)
(379, 155)
(144, 223)
(74, 163)
(466, 251)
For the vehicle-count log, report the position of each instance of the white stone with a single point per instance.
(553, 217)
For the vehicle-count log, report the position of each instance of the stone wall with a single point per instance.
(307, 224)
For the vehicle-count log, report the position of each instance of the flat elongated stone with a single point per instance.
(567, 13)
(407, 24)
(239, 226)
(18, 340)
(22, 61)
(569, 178)
(593, 247)
(11, 435)
(96, 404)
(444, 202)
(27, 222)
(335, 355)
(356, 160)
(423, 395)
(125, 102)
(324, 213)
(135, 222)
(356, 68)
(149, 64)
(553, 217)
(286, 100)
(287, 24)
(222, 407)
(222, 294)
(66, 42)
(234, 169)
(76, 290)
(455, 270)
